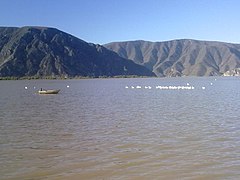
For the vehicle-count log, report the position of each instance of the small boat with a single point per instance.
(50, 91)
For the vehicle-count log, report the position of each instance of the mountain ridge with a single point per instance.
(44, 51)
(163, 41)
(183, 57)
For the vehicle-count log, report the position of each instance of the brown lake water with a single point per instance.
(98, 129)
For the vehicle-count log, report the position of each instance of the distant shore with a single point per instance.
(75, 77)
(97, 77)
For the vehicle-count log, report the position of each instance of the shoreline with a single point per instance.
(76, 77)
(100, 77)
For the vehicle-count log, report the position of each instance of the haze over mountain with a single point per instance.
(181, 57)
(42, 51)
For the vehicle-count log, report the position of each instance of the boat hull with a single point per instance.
(49, 91)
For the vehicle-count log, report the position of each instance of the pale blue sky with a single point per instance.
(103, 21)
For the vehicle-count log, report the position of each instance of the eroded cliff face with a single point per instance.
(181, 57)
(43, 51)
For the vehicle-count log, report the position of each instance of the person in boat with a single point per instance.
(41, 89)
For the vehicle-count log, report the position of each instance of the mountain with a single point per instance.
(42, 51)
(181, 57)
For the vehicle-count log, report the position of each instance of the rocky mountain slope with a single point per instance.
(181, 57)
(41, 51)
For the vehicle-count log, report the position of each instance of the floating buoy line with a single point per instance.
(162, 87)
(188, 87)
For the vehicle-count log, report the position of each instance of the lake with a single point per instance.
(100, 129)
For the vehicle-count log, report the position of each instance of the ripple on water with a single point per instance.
(98, 129)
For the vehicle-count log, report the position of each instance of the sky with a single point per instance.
(104, 21)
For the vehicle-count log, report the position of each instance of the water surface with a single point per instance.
(98, 129)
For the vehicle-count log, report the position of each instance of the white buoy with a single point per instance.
(203, 87)
(34, 87)
(67, 86)
(126, 87)
(26, 87)
(211, 84)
